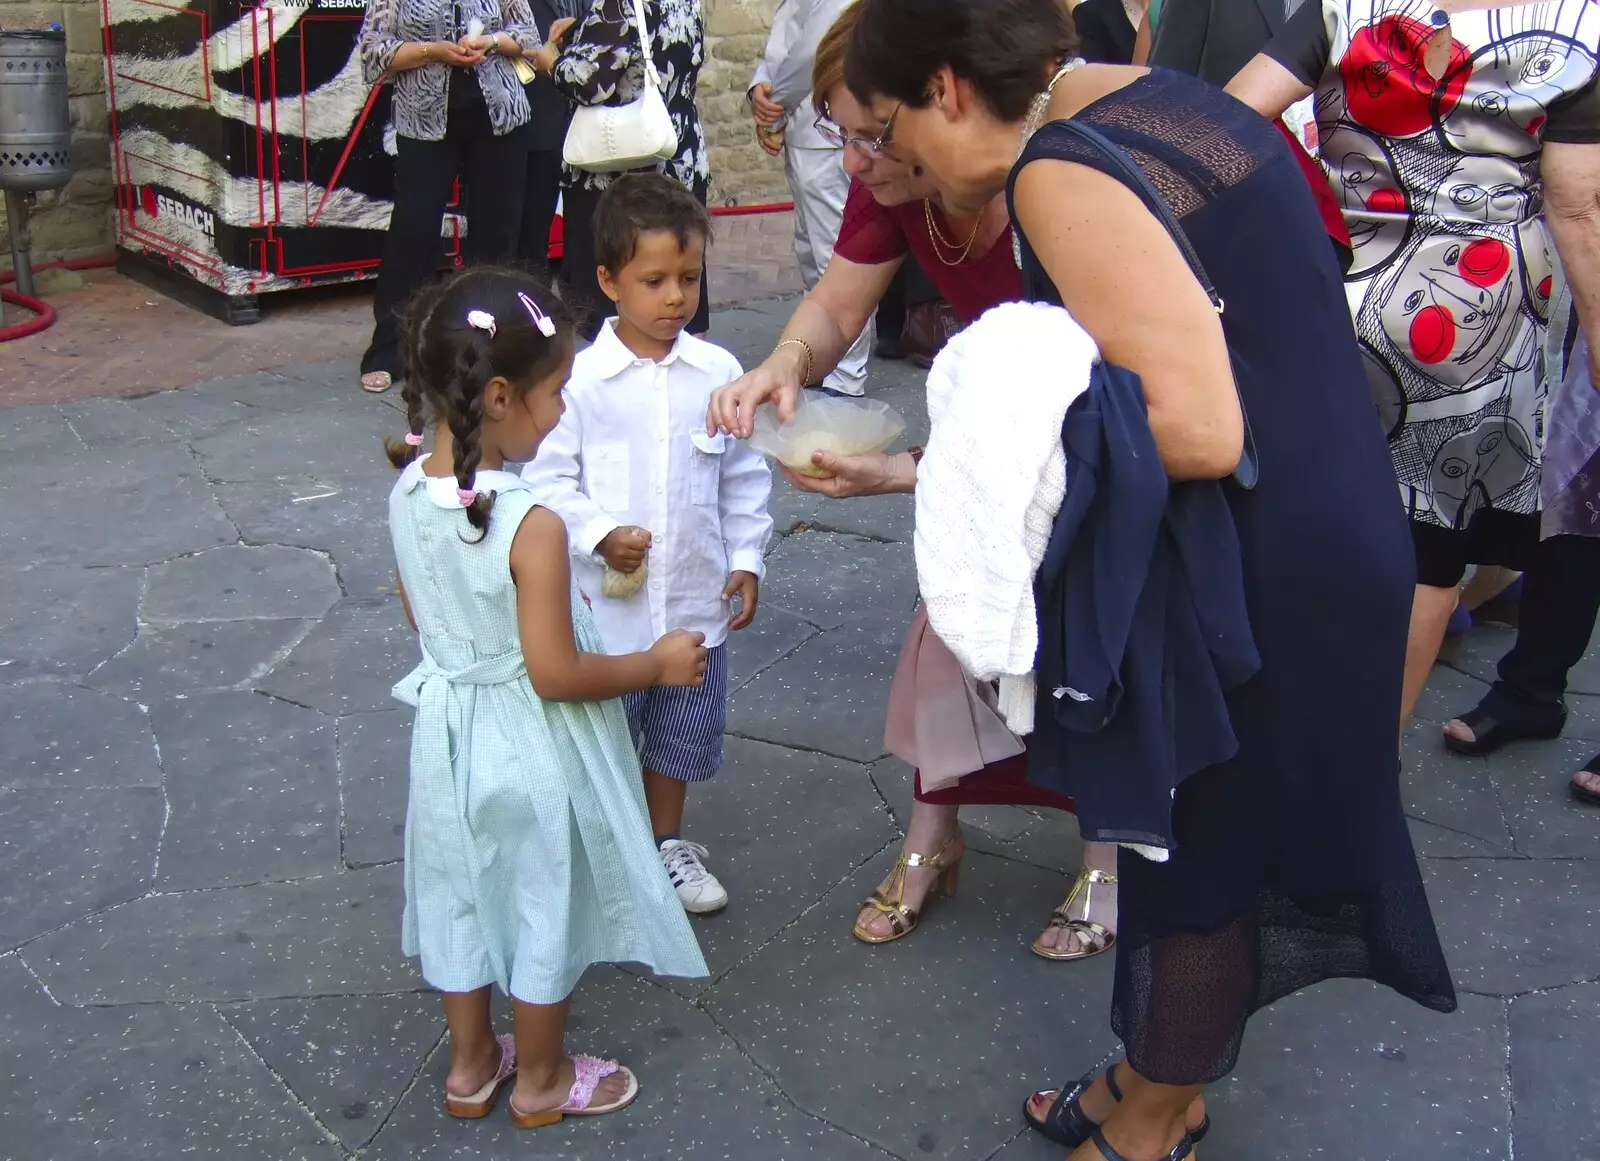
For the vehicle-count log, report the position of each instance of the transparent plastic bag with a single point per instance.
(847, 427)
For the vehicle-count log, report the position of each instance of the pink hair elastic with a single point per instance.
(546, 324)
(467, 496)
(481, 320)
(413, 439)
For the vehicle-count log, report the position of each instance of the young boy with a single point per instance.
(641, 486)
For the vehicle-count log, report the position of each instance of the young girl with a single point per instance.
(528, 850)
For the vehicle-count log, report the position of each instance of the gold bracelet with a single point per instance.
(805, 377)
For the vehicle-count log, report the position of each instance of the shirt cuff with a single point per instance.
(747, 560)
(588, 538)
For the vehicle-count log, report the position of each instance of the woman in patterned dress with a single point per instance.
(458, 106)
(1454, 135)
(601, 65)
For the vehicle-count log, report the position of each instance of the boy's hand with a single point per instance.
(680, 658)
(624, 548)
(744, 587)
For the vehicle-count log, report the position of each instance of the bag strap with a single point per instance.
(650, 73)
(1129, 171)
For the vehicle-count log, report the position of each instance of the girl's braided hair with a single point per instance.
(450, 361)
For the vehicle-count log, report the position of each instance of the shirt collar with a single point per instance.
(442, 489)
(611, 358)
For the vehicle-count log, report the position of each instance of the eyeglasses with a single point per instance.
(874, 147)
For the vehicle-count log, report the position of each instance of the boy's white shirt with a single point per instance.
(632, 449)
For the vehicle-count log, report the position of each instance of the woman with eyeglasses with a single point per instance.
(893, 212)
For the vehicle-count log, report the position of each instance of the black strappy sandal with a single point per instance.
(1583, 793)
(1066, 1124)
(1182, 1149)
(1490, 733)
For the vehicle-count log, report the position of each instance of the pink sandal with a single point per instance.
(481, 1103)
(588, 1072)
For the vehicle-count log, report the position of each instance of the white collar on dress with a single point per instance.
(608, 357)
(442, 489)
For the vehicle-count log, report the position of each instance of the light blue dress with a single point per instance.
(528, 852)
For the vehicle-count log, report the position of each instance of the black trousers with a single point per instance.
(541, 191)
(911, 287)
(1560, 600)
(580, 285)
(424, 174)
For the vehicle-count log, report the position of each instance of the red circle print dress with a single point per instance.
(1437, 173)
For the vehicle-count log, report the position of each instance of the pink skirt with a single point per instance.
(944, 723)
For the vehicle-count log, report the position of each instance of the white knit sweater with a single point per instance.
(990, 485)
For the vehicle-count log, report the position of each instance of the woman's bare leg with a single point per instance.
(1430, 613)
(1148, 1122)
(1102, 907)
(930, 828)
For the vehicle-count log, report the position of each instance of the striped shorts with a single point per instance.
(678, 728)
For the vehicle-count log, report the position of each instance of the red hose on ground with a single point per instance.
(757, 208)
(45, 314)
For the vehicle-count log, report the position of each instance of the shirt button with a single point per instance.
(659, 489)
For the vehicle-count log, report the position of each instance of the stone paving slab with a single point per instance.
(202, 808)
(274, 813)
(349, 1059)
(95, 616)
(144, 1080)
(700, 1096)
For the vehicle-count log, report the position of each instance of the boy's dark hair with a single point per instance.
(638, 203)
(1005, 49)
(449, 362)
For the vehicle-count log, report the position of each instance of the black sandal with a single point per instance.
(1066, 1124)
(1184, 1148)
(1490, 733)
(1583, 793)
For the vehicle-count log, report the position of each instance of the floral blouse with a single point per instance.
(422, 95)
(601, 65)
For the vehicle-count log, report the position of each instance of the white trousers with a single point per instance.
(819, 185)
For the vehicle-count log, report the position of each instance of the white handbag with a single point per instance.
(612, 138)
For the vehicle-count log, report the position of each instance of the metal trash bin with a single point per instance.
(35, 129)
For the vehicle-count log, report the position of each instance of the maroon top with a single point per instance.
(872, 234)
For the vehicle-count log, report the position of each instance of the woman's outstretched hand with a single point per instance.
(733, 408)
(877, 474)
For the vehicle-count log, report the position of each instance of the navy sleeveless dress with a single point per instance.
(1293, 863)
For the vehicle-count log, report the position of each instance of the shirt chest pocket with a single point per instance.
(605, 474)
(705, 466)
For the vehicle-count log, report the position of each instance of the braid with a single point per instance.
(474, 367)
(418, 318)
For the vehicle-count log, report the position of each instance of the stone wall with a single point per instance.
(76, 221)
(736, 36)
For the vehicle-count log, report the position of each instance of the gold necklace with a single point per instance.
(937, 236)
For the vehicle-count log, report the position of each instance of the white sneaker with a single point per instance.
(698, 889)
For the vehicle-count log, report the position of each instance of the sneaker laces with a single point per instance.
(683, 860)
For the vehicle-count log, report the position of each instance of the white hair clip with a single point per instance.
(546, 324)
(481, 320)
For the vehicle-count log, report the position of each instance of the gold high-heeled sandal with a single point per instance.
(891, 902)
(1060, 919)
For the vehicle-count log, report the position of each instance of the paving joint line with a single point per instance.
(416, 1079)
(43, 987)
(294, 1097)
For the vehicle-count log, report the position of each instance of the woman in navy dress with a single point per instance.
(1292, 863)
